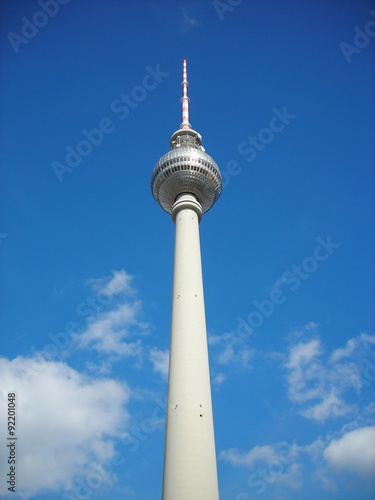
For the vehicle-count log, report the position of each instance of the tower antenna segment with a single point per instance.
(185, 99)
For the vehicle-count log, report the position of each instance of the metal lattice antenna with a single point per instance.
(185, 99)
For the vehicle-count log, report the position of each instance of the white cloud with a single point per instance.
(314, 449)
(353, 452)
(297, 333)
(160, 361)
(291, 478)
(282, 464)
(265, 454)
(360, 342)
(331, 406)
(268, 454)
(319, 387)
(117, 283)
(218, 379)
(304, 367)
(303, 353)
(67, 422)
(278, 464)
(111, 331)
(105, 332)
(232, 350)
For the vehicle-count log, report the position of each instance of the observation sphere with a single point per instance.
(186, 168)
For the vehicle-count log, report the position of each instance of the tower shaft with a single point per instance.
(190, 459)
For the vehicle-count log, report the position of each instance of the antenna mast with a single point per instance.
(185, 99)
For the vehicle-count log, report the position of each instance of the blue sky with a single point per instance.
(282, 93)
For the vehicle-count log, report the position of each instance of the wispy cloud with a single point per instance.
(218, 379)
(114, 331)
(258, 454)
(318, 385)
(107, 331)
(119, 282)
(331, 406)
(189, 22)
(277, 464)
(160, 361)
(281, 464)
(229, 349)
(354, 345)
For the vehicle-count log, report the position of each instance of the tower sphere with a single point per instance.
(186, 168)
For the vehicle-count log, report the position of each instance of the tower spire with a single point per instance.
(185, 99)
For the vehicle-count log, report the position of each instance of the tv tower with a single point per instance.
(186, 182)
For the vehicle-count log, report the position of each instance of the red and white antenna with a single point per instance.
(184, 99)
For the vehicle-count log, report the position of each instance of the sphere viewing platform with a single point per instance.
(186, 168)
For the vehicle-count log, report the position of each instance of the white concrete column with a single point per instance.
(190, 460)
